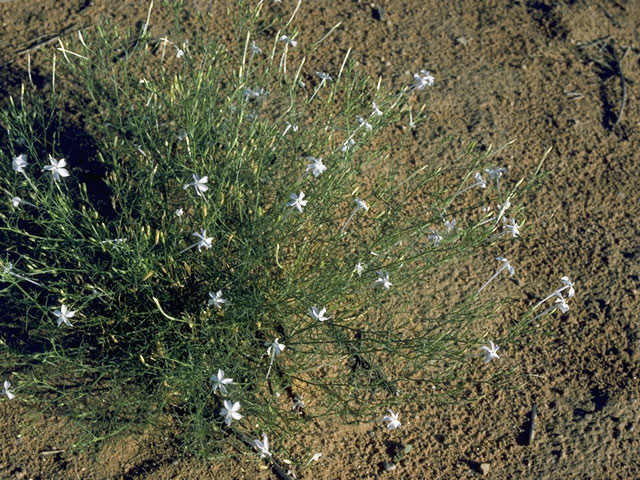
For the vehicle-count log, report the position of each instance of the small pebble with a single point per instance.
(389, 467)
(485, 468)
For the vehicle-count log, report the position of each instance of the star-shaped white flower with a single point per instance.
(199, 183)
(179, 212)
(205, 242)
(359, 268)
(480, 181)
(19, 163)
(568, 284)
(57, 168)
(361, 205)
(435, 238)
(255, 49)
(513, 228)
(298, 403)
(263, 446)
(5, 390)
(383, 280)
(221, 382)
(317, 314)
(274, 347)
(495, 172)
(216, 299)
(64, 314)
(17, 201)
(316, 168)
(376, 111)
(230, 412)
(450, 225)
(507, 265)
(561, 303)
(392, 420)
(490, 352)
(297, 201)
(422, 80)
(288, 40)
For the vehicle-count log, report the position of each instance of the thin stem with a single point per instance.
(551, 296)
(355, 210)
(494, 276)
(273, 356)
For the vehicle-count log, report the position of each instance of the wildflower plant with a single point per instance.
(158, 319)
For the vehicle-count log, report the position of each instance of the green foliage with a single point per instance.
(135, 122)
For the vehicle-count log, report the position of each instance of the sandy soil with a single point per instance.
(523, 70)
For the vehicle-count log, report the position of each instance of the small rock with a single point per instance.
(485, 468)
(389, 467)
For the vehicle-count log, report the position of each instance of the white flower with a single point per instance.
(290, 126)
(57, 168)
(275, 347)
(297, 201)
(230, 412)
(364, 123)
(298, 403)
(506, 264)
(422, 80)
(254, 48)
(64, 315)
(392, 418)
(199, 183)
(562, 304)
(219, 381)
(17, 201)
(216, 299)
(376, 111)
(435, 238)
(359, 268)
(568, 284)
(350, 142)
(490, 352)
(495, 172)
(450, 225)
(179, 212)
(324, 77)
(317, 168)
(288, 40)
(383, 280)
(263, 446)
(205, 242)
(5, 390)
(318, 314)
(19, 163)
(361, 205)
(179, 53)
(513, 227)
(479, 181)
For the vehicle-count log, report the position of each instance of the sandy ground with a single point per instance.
(504, 70)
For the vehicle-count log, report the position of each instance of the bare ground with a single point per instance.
(523, 70)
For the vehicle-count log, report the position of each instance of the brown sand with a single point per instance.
(504, 70)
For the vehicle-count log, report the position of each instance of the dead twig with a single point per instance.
(532, 425)
(43, 43)
(622, 82)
